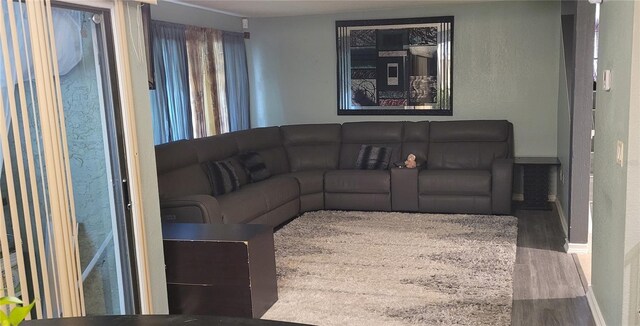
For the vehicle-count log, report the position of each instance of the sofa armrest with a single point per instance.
(501, 186)
(191, 209)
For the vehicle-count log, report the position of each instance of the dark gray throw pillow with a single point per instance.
(222, 177)
(254, 165)
(373, 158)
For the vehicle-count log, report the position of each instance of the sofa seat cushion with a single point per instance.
(256, 199)
(357, 181)
(311, 182)
(455, 182)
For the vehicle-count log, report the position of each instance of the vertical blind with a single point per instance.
(40, 258)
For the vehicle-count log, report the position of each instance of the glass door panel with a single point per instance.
(92, 130)
(95, 159)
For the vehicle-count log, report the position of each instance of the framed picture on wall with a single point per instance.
(395, 66)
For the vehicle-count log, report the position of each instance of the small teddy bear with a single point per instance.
(410, 163)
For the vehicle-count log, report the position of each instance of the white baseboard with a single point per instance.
(570, 248)
(595, 308)
(578, 248)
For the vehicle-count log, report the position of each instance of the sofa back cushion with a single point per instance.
(268, 143)
(415, 140)
(381, 134)
(469, 144)
(312, 147)
(179, 171)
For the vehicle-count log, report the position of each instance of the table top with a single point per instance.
(153, 320)
(213, 232)
(540, 160)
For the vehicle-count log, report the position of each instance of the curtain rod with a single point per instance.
(166, 23)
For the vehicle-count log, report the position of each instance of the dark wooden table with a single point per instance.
(154, 320)
(536, 181)
(220, 269)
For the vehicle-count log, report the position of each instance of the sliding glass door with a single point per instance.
(65, 219)
(96, 159)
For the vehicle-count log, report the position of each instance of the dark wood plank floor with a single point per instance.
(547, 289)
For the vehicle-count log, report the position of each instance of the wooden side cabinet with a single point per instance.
(220, 269)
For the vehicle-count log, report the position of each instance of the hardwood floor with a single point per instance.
(547, 289)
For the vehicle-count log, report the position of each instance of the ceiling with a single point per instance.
(280, 8)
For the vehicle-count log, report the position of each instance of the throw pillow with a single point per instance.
(254, 165)
(373, 158)
(222, 177)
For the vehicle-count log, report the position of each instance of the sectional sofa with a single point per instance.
(464, 167)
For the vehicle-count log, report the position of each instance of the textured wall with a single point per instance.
(83, 120)
(505, 67)
(610, 188)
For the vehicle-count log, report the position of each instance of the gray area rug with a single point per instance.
(373, 268)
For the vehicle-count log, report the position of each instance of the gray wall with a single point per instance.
(616, 226)
(506, 66)
(564, 140)
(575, 103)
(565, 108)
(581, 123)
(631, 274)
(181, 14)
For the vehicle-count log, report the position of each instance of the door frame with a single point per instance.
(580, 87)
(120, 14)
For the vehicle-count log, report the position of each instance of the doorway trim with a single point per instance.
(122, 12)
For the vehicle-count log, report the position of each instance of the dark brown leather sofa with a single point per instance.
(465, 167)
